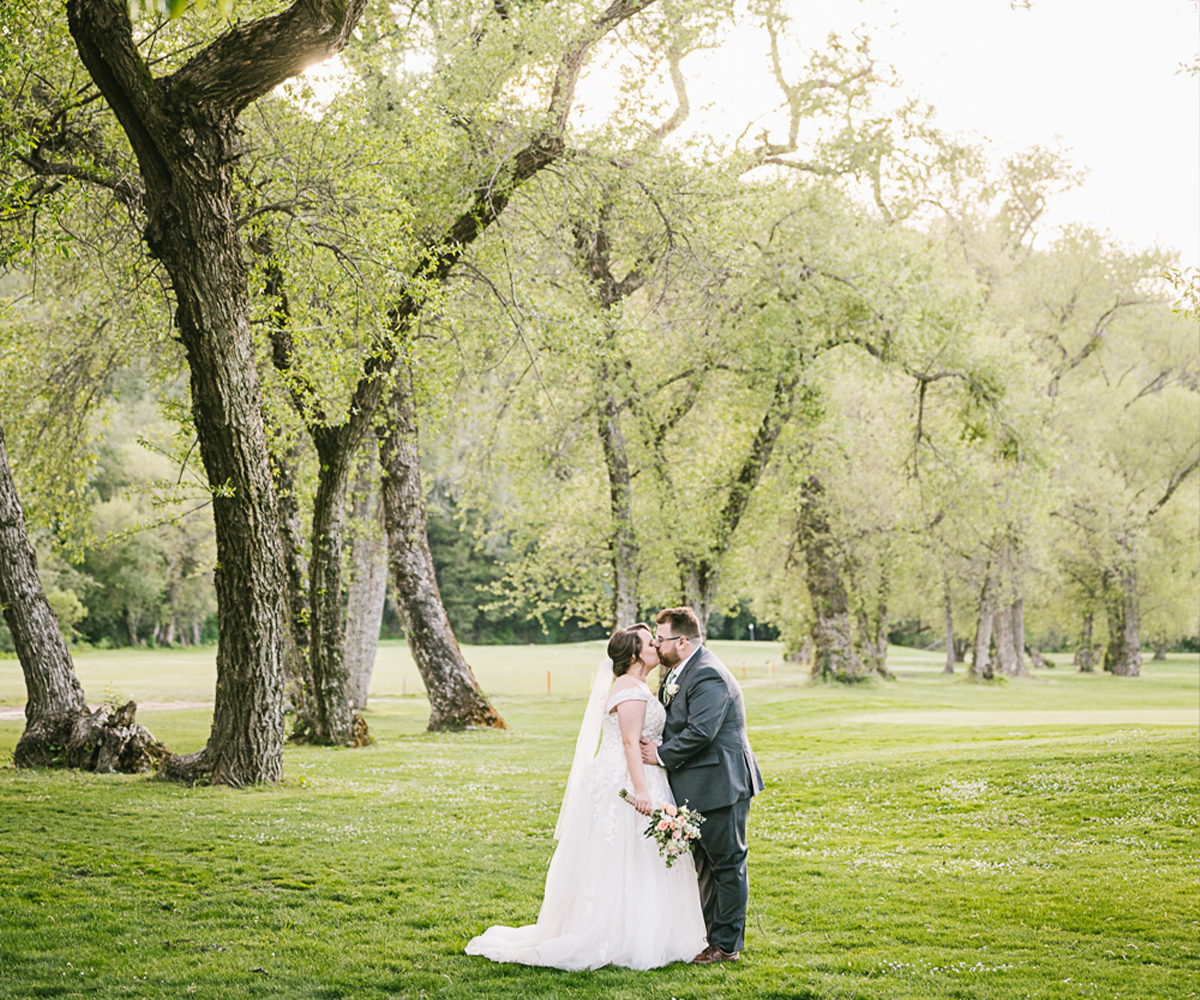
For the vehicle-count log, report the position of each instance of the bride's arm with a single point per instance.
(631, 715)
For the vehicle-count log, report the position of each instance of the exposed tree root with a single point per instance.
(304, 733)
(106, 740)
(470, 712)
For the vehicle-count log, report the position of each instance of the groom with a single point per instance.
(710, 766)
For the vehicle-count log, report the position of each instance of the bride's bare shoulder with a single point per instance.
(623, 683)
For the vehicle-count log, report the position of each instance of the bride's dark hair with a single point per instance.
(624, 646)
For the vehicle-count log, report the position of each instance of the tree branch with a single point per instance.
(545, 147)
(1172, 486)
(251, 60)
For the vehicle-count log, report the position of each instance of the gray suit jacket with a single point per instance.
(705, 748)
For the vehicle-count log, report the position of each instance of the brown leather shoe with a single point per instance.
(712, 954)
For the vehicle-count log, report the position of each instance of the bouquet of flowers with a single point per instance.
(674, 828)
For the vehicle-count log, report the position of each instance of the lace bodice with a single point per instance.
(652, 728)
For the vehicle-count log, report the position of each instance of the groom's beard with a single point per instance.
(670, 658)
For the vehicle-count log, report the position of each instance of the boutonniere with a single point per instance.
(672, 690)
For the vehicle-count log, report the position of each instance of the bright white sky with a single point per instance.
(1099, 74)
(1097, 78)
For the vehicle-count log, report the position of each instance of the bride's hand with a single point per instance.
(641, 802)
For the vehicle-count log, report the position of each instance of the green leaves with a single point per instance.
(173, 9)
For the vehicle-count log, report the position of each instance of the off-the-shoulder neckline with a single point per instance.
(639, 685)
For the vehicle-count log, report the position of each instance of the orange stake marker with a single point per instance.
(547, 682)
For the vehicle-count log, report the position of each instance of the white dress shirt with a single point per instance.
(673, 676)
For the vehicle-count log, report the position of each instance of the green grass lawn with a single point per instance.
(923, 838)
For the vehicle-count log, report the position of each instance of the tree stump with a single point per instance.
(106, 740)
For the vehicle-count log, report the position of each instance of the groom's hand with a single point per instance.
(649, 752)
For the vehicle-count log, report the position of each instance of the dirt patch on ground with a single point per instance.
(10, 712)
(1017, 719)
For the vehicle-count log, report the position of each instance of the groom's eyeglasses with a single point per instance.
(666, 638)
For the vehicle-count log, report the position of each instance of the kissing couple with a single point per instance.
(610, 898)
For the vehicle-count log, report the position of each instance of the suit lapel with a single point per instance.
(662, 688)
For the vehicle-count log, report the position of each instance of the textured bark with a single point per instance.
(873, 640)
(834, 657)
(981, 661)
(105, 741)
(332, 714)
(871, 616)
(59, 729)
(1037, 659)
(620, 490)
(53, 691)
(324, 708)
(1123, 654)
(1002, 627)
(698, 579)
(1010, 644)
(1018, 630)
(109, 740)
(455, 701)
(949, 611)
(296, 672)
(593, 251)
(183, 130)
(368, 584)
(1085, 649)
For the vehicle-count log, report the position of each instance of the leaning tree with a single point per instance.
(59, 727)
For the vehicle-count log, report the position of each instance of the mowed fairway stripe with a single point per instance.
(1082, 717)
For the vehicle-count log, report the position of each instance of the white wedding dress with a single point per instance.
(610, 897)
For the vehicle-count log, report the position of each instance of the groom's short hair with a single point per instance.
(683, 621)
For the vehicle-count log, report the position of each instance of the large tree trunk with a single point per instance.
(183, 129)
(1123, 654)
(949, 611)
(623, 539)
(834, 657)
(131, 626)
(332, 713)
(109, 740)
(698, 583)
(1085, 649)
(53, 691)
(59, 729)
(872, 621)
(1017, 613)
(593, 256)
(1010, 644)
(455, 701)
(981, 660)
(297, 674)
(1037, 659)
(368, 583)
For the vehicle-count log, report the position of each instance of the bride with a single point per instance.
(610, 898)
